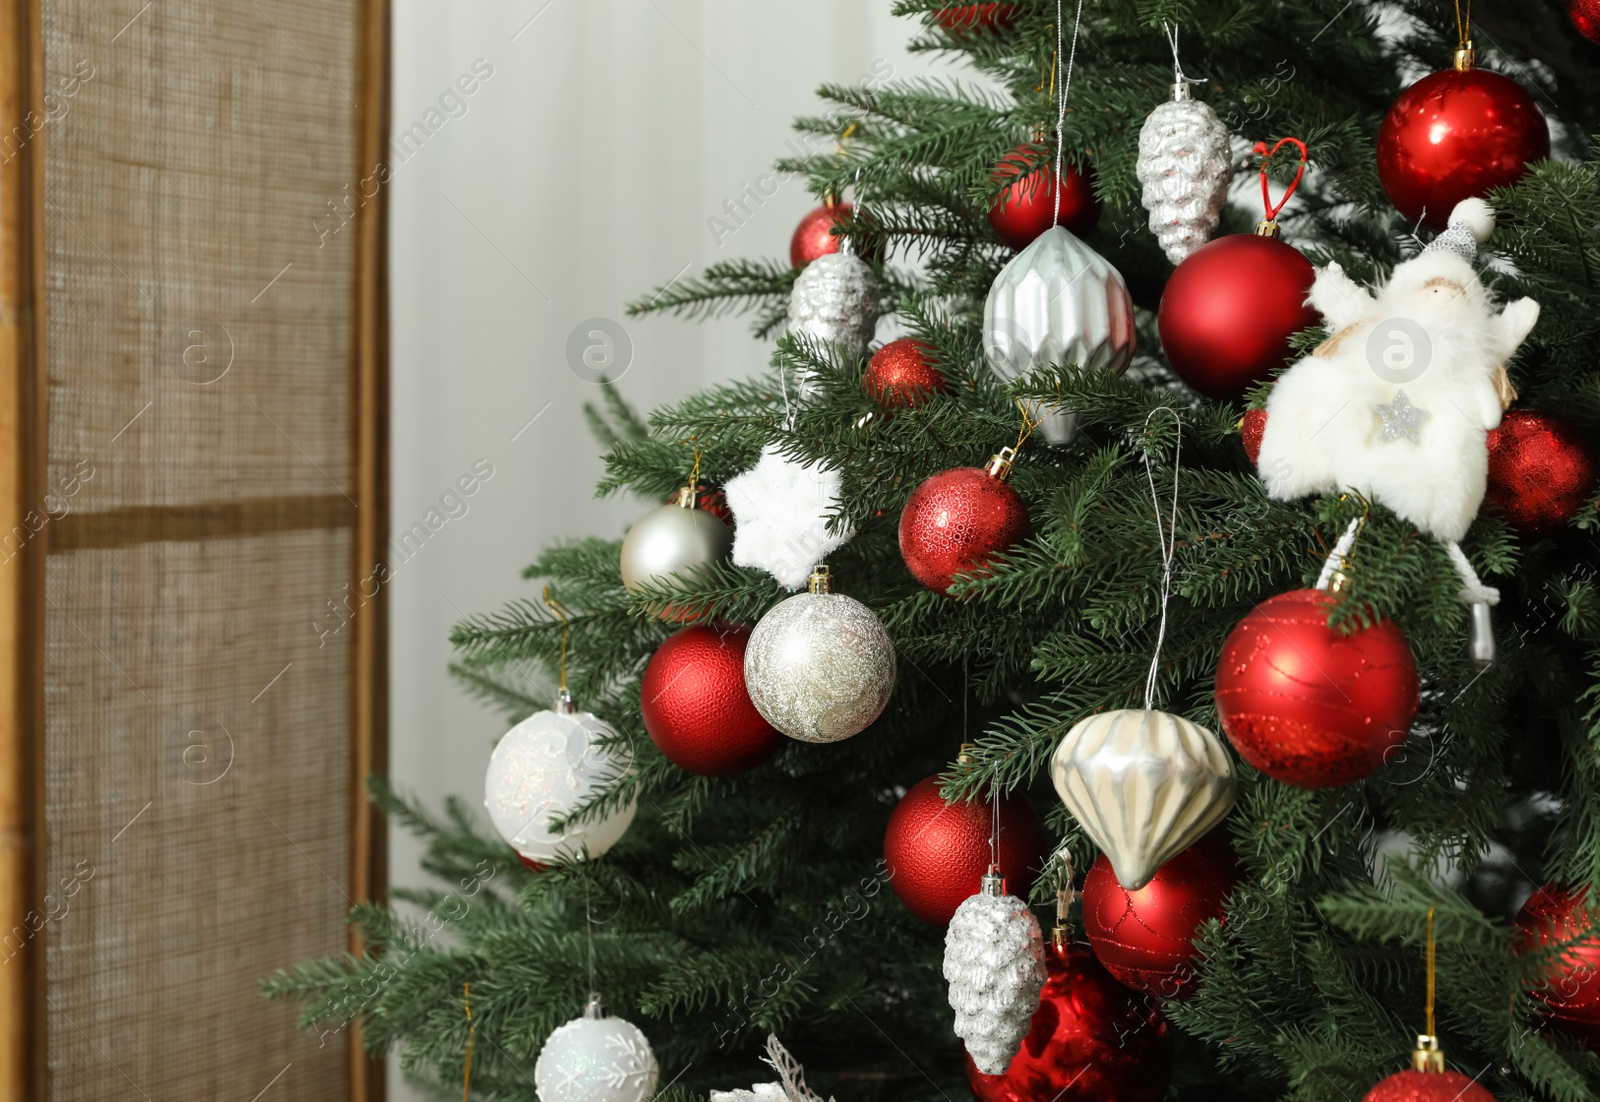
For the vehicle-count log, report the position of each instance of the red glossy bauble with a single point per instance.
(1540, 471)
(1454, 135)
(1308, 706)
(814, 236)
(983, 17)
(956, 522)
(1585, 16)
(1229, 310)
(695, 705)
(1026, 206)
(1428, 1086)
(1092, 1040)
(1571, 991)
(1145, 938)
(937, 852)
(1251, 426)
(901, 376)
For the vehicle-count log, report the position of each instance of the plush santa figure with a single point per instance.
(1397, 404)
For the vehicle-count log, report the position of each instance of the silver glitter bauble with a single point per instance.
(835, 300)
(994, 963)
(1185, 166)
(673, 540)
(543, 768)
(819, 666)
(596, 1059)
(1143, 785)
(1058, 302)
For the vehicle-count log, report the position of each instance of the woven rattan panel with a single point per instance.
(199, 291)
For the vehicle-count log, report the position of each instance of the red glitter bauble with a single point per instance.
(900, 376)
(1455, 135)
(1308, 706)
(1145, 938)
(1251, 426)
(1229, 310)
(1026, 206)
(1585, 16)
(983, 17)
(937, 852)
(695, 705)
(1571, 990)
(1428, 1086)
(956, 522)
(1540, 471)
(1092, 1040)
(814, 236)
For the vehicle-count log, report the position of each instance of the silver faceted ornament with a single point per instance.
(1185, 166)
(835, 300)
(1058, 302)
(1143, 785)
(596, 1059)
(819, 666)
(673, 540)
(994, 963)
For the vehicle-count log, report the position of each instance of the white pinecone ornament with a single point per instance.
(1185, 166)
(994, 963)
(835, 300)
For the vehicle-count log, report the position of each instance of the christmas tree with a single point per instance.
(1311, 744)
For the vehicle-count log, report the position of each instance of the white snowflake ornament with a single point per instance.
(994, 963)
(781, 512)
(596, 1059)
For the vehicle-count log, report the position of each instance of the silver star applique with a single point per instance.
(1401, 419)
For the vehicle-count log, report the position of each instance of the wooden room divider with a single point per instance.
(192, 498)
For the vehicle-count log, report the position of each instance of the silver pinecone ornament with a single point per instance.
(994, 963)
(835, 300)
(1184, 165)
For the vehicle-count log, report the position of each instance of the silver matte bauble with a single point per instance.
(543, 768)
(994, 963)
(835, 300)
(1143, 785)
(1058, 302)
(596, 1059)
(1185, 166)
(819, 666)
(672, 540)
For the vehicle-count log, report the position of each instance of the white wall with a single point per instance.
(582, 174)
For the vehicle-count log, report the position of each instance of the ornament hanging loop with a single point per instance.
(1428, 1056)
(1465, 58)
(1166, 540)
(1181, 83)
(1268, 227)
(559, 611)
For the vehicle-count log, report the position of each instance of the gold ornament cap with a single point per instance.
(1427, 1056)
(1000, 463)
(1267, 227)
(1466, 58)
(821, 581)
(686, 498)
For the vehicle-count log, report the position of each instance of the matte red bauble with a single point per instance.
(983, 17)
(814, 236)
(1229, 310)
(937, 852)
(957, 521)
(1455, 135)
(1145, 938)
(695, 705)
(1585, 16)
(1571, 991)
(1026, 206)
(900, 375)
(1540, 471)
(1092, 1040)
(1251, 426)
(1308, 706)
(1428, 1086)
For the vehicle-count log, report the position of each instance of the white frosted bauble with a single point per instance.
(835, 299)
(1185, 165)
(994, 963)
(1058, 302)
(544, 767)
(672, 541)
(595, 1059)
(819, 666)
(1143, 785)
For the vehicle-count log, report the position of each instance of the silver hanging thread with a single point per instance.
(1066, 87)
(1167, 539)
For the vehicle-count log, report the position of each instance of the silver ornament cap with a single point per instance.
(1144, 785)
(674, 539)
(1185, 165)
(819, 666)
(1058, 302)
(994, 964)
